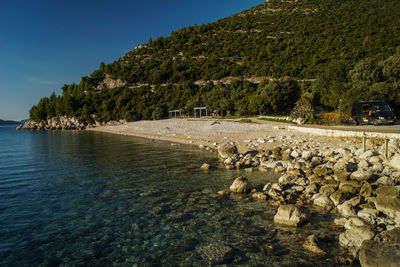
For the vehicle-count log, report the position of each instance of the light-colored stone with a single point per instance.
(395, 161)
(292, 215)
(355, 236)
(205, 166)
(369, 215)
(338, 197)
(384, 250)
(361, 175)
(311, 244)
(227, 150)
(322, 200)
(240, 185)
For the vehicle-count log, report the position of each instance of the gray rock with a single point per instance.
(227, 150)
(240, 185)
(338, 197)
(369, 215)
(292, 215)
(385, 180)
(347, 208)
(384, 250)
(322, 200)
(366, 190)
(354, 222)
(307, 155)
(388, 200)
(352, 187)
(355, 236)
(395, 161)
(361, 175)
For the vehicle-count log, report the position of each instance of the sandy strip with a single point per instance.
(211, 132)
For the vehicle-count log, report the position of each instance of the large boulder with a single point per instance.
(388, 200)
(355, 236)
(292, 215)
(240, 185)
(384, 250)
(227, 150)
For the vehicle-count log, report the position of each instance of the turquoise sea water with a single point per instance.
(93, 199)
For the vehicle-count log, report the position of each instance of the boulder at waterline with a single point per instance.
(292, 215)
(384, 250)
(355, 236)
(227, 150)
(388, 200)
(240, 185)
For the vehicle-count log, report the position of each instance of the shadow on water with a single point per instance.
(92, 199)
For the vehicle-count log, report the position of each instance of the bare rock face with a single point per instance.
(227, 150)
(110, 83)
(240, 185)
(292, 215)
(384, 250)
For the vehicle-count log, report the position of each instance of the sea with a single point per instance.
(79, 198)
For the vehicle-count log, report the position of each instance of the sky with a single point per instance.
(45, 44)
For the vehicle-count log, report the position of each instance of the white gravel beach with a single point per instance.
(211, 132)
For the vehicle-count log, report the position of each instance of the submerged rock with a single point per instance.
(311, 244)
(216, 253)
(292, 215)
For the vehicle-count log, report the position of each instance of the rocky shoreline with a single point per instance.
(361, 187)
(64, 123)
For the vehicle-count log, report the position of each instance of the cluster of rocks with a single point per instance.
(363, 188)
(56, 123)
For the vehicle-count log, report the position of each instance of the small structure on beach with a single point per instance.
(176, 113)
(201, 112)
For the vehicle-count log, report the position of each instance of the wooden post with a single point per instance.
(387, 148)
(364, 142)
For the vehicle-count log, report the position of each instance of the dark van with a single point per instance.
(374, 111)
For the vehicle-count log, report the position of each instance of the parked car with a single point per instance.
(374, 111)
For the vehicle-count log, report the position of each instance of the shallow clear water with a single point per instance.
(92, 199)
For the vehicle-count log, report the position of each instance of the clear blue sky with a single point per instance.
(47, 43)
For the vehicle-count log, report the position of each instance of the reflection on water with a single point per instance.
(91, 199)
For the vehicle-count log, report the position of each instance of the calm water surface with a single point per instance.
(92, 199)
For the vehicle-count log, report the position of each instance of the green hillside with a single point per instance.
(242, 64)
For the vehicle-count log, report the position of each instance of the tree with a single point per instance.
(282, 95)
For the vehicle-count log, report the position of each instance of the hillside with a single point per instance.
(237, 64)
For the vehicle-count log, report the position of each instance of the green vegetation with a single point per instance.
(349, 47)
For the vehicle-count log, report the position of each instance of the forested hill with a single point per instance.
(246, 55)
